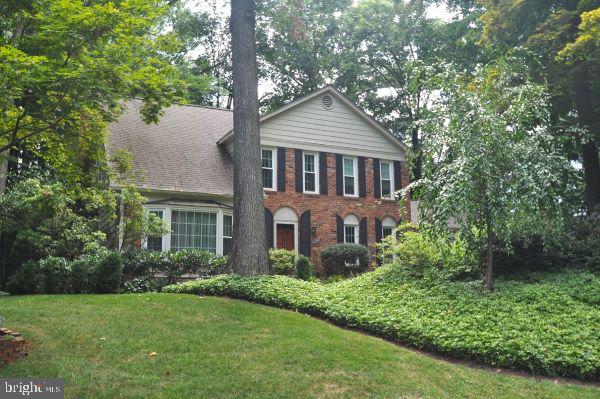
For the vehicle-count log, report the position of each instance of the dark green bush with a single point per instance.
(282, 261)
(54, 276)
(548, 325)
(345, 259)
(107, 273)
(82, 274)
(141, 284)
(23, 280)
(191, 261)
(304, 268)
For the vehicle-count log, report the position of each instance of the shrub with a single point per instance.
(23, 280)
(82, 274)
(142, 263)
(54, 276)
(189, 261)
(282, 261)
(141, 284)
(107, 273)
(304, 268)
(345, 259)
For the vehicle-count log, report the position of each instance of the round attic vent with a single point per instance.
(327, 101)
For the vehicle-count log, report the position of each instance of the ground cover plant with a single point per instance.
(219, 347)
(546, 324)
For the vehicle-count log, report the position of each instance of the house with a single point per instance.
(329, 174)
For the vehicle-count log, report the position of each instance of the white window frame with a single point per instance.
(392, 188)
(388, 223)
(274, 169)
(223, 236)
(354, 222)
(354, 176)
(316, 172)
(168, 210)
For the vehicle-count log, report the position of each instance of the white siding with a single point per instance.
(309, 126)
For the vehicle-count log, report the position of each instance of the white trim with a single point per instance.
(392, 195)
(355, 175)
(274, 174)
(295, 224)
(286, 215)
(316, 172)
(388, 223)
(354, 222)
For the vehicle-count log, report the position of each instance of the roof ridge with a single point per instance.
(194, 105)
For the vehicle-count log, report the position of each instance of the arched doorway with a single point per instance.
(285, 227)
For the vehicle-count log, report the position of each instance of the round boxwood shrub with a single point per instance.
(107, 273)
(304, 268)
(282, 261)
(345, 259)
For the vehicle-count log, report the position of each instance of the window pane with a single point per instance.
(349, 185)
(309, 182)
(267, 158)
(226, 246)
(350, 234)
(385, 170)
(348, 167)
(309, 163)
(386, 231)
(227, 225)
(193, 229)
(386, 188)
(267, 175)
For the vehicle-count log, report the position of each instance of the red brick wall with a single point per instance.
(324, 208)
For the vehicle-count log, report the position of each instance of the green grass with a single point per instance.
(548, 324)
(217, 347)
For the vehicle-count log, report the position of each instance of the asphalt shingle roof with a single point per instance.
(180, 153)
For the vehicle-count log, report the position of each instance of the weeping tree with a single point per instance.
(490, 161)
(249, 252)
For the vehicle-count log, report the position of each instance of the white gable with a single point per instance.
(342, 129)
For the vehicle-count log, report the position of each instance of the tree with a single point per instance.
(490, 161)
(548, 27)
(249, 252)
(64, 67)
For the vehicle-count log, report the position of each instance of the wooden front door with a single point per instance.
(285, 237)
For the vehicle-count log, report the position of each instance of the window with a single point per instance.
(268, 160)
(388, 227)
(227, 233)
(350, 186)
(351, 229)
(155, 243)
(311, 172)
(193, 229)
(386, 178)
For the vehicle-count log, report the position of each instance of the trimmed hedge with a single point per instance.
(547, 326)
(282, 261)
(345, 259)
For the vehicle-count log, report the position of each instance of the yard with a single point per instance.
(217, 347)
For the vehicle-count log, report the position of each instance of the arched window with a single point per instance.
(351, 229)
(388, 227)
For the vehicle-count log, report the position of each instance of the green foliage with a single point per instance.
(23, 281)
(282, 261)
(64, 67)
(304, 268)
(423, 256)
(546, 324)
(82, 274)
(107, 273)
(345, 259)
(47, 220)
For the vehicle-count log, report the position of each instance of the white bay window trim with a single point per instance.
(167, 217)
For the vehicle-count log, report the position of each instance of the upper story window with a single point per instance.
(387, 179)
(351, 229)
(350, 180)
(310, 166)
(268, 162)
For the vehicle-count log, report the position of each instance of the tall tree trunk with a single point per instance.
(416, 148)
(3, 247)
(591, 161)
(489, 266)
(249, 252)
(3, 170)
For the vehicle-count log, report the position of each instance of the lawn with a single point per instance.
(217, 347)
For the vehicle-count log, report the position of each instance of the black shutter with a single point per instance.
(363, 233)
(280, 169)
(339, 175)
(397, 175)
(378, 230)
(362, 178)
(305, 234)
(299, 180)
(376, 178)
(323, 173)
(269, 228)
(340, 229)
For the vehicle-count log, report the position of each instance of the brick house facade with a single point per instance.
(326, 165)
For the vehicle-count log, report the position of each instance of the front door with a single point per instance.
(285, 237)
